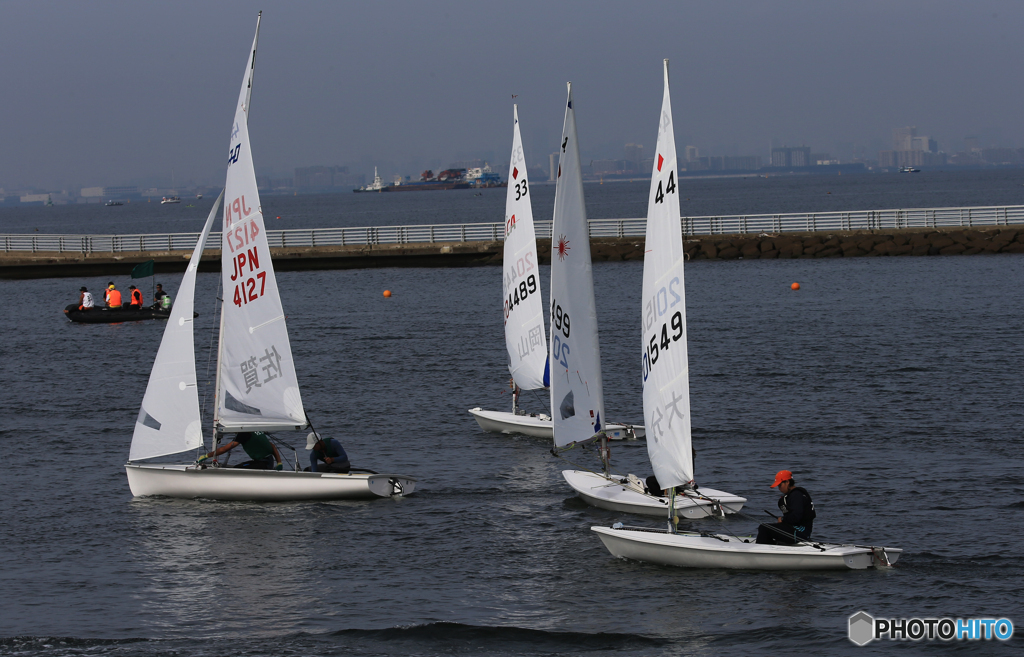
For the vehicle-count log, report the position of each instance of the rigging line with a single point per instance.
(209, 352)
(295, 454)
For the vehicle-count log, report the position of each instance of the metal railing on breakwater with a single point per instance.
(923, 218)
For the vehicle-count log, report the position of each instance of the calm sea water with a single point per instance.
(890, 386)
(618, 200)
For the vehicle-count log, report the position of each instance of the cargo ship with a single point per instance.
(376, 186)
(484, 177)
(447, 179)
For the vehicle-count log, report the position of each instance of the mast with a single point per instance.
(216, 389)
(252, 67)
(577, 397)
(258, 389)
(663, 348)
(220, 333)
(523, 307)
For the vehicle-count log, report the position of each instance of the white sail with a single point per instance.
(169, 420)
(524, 307)
(577, 397)
(258, 389)
(666, 379)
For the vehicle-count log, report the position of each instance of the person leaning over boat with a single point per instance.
(797, 514)
(330, 452)
(112, 296)
(261, 451)
(159, 297)
(136, 298)
(85, 301)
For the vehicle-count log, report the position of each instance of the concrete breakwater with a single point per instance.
(859, 243)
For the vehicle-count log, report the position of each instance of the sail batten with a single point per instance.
(577, 395)
(169, 420)
(256, 369)
(521, 291)
(665, 368)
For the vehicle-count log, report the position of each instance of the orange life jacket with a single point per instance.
(114, 298)
(136, 297)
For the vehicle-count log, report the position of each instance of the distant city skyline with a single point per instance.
(120, 94)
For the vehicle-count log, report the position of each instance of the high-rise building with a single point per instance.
(553, 167)
(634, 156)
(792, 157)
(692, 154)
(903, 138)
(924, 143)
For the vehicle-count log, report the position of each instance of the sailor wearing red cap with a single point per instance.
(797, 514)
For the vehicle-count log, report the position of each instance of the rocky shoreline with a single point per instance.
(847, 244)
(861, 243)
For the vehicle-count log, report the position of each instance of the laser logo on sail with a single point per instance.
(563, 247)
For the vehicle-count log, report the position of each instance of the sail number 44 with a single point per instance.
(670, 188)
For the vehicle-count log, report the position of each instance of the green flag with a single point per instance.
(144, 269)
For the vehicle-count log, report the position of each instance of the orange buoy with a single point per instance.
(387, 294)
(794, 286)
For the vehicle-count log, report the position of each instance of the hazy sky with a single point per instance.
(105, 93)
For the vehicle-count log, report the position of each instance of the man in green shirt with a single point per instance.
(260, 449)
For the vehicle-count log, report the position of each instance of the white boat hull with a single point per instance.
(690, 550)
(540, 425)
(604, 493)
(189, 481)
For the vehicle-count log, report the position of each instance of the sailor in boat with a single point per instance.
(136, 298)
(112, 296)
(655, 489)
(159, 296)
(85, 301)
(797, 514)
(262, 452)
(326, 455)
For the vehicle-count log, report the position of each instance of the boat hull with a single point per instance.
(424, 186)
(114, 315)
(689, 550)
(541, 425)
(597, 490)
(189, 481)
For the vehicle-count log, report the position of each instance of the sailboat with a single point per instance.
(524, 311)
(667, 407)
(667, 394)
(256, 388)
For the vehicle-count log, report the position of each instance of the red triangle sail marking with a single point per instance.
(661, 160)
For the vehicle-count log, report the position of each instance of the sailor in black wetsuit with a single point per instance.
(797, 514)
